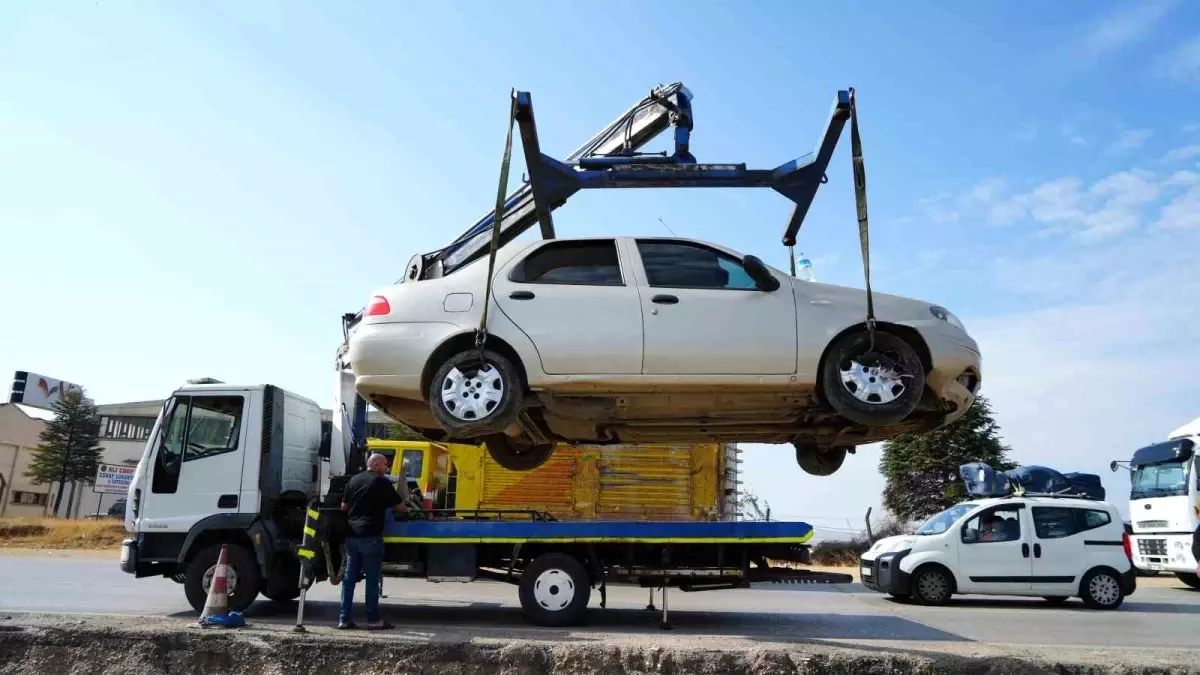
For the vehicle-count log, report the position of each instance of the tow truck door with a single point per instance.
(195, 462)
(996, 560)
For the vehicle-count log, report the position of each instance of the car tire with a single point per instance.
(463, 378)
(516, 455)
(555, 590)
(818, 461)
(854, 387)
(1189, 579)
(931, 586)
(1101, 589)
(243, 589)
(1056, 600)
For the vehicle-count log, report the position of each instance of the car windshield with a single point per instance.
(1159, 480)
(942, 521)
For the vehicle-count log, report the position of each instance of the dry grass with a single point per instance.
(60, 534)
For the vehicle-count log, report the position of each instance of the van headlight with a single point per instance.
(943, 314)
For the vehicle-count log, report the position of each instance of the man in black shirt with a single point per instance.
(367, 498)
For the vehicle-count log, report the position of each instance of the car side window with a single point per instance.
(572, 263)
(1054, 522)
(1091, 519)
(992, 526)
(678, 264)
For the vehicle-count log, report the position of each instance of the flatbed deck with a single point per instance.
(594, 532)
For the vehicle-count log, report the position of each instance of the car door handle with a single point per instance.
(1024, 550)
(227, 502)
(521, 295)
(1037, 550)
(665, 300)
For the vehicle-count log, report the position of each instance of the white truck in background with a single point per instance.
(1165, 486)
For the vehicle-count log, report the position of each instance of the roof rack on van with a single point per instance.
(1029, 481)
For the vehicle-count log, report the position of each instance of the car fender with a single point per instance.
(917, 558)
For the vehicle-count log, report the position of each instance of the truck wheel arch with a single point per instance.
(231, 528)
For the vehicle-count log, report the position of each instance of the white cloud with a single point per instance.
(1121, 28)
(1183, 212)
(1183, 154)
(1072, 136)
(1182, 64)
(1131, 139)
(988, 190)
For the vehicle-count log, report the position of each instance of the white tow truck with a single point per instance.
(1164, 488)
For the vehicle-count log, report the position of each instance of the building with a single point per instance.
(124, 430)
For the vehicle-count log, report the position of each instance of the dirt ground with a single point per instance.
(48, 533)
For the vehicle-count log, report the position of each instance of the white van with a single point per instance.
(1043, 546)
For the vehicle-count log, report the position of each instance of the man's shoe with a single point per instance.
(347, 626)
(382, 625)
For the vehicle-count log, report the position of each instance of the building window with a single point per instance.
(26, 498)
(126, 428)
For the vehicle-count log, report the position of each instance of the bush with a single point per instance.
(846, 553)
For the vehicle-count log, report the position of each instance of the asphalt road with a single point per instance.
(1160, 614)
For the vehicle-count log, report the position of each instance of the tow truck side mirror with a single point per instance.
(763, 279)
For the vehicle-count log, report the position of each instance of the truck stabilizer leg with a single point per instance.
(666, 619)
(650, 607)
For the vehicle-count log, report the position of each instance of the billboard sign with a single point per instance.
(38, 391)
(113, 478)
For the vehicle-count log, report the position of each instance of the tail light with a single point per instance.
(1127, 544)
(378, 306)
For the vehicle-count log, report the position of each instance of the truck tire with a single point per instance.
(555, 590)
(1190, 579)
(284, 584)
(875, 386)
(470, 399)
(243, 583)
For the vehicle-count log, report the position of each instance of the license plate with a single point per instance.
(1155, 566)
(866, 571)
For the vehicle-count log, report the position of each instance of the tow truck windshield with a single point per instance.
(1165, 479)
(942, 521)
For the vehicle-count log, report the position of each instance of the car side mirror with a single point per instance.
(763, 279)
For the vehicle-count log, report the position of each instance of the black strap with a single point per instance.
(860, 201)
(501, 190)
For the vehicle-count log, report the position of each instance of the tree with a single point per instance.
(400, 432)
(919, 466)
(749, 507)
(69, 451)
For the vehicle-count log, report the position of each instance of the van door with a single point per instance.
(1060, 549)
(994, 552)
(195, 467)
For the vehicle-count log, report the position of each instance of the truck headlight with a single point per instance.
(943, 314)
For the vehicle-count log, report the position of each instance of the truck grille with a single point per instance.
(1152, 524)
(1152, 547)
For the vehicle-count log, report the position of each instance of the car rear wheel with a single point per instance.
(873, 384)
(819, 461)
(471, 398)
(1101, 589)
(517, 455)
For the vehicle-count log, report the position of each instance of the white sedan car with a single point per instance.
(656, 340)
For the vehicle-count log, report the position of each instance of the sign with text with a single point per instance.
(113, 478)
(36, 390)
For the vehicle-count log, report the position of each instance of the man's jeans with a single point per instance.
(363, 555)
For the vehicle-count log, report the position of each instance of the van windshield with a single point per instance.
(1158, 480)
(942, 521)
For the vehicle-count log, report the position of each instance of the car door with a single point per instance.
(1058, 549)
(576, 303)
(995, 558)
(196, 461)
(704, 315)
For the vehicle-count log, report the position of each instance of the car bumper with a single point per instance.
(389, 358)
(883, 574)
(957, 373)
(1129, 581)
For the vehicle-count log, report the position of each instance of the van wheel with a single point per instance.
(555, 590)
(516, 455)
(243, 577)
(873, 385)
(1190, 579)
(932, 586)
(819, 461)
(1101, 589)
(470, 398)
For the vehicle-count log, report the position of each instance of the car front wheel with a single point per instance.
(873, 383)
(471, 398)
(932, 586)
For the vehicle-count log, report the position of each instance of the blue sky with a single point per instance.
(203, 189)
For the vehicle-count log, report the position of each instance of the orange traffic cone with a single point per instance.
(217, 603)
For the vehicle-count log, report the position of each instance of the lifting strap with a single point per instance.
(481, 332)
(860, 201)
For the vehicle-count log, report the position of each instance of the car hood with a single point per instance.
(888, 307)
(890, 545)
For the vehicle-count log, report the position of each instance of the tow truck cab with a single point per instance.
(224, 464)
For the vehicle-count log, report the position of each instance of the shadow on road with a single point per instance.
(1073, 605)
(497, 621)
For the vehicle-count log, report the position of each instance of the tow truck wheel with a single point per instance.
(243, 577)
(819, 461)
(1190, 579)
(873, 385)
(515, 455)
(555, 590)
(470, 398)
